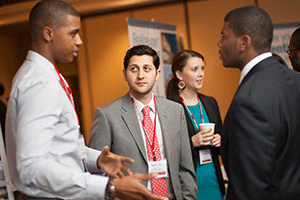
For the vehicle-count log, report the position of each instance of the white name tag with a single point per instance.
(81, 144)
(205, 156)
(159, 167)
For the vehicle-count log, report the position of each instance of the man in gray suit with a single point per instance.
(123, 126)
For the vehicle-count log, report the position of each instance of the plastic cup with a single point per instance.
(208, 125)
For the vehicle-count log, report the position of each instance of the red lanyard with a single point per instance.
(140, 115)
(201, 114)
(67, 89)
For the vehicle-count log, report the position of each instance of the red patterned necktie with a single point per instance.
(159, 185)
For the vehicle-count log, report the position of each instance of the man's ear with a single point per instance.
(124, 75)
(47, 34)
(157, 74)
(245, 42)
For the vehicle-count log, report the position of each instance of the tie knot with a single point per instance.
(146, 110)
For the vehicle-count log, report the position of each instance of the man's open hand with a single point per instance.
(112, 164)
(130, 187)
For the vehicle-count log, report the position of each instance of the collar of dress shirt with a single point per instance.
(140, 105)
(43, 62)
(252, 63)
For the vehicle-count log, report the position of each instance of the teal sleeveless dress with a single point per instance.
(208, 187)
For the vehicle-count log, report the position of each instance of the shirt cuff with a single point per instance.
(97, 186)
(91, 160)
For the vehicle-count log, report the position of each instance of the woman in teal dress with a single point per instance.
(188, 75)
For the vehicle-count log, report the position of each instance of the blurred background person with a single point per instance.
(294, 50)
(280, 59)
(188, 76)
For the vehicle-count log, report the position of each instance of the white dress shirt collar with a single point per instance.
(140, 105)
(38, 58)
(252, 63)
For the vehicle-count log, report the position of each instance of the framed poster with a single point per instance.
(162, 38)
(6, 188)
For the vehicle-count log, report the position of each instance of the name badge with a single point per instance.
(205, 156)
(81, 144)
(159, 167)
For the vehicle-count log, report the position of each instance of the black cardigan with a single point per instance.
(212, 110)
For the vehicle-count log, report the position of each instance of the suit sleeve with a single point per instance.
(251, 149)
(100, 131)
(186, 168)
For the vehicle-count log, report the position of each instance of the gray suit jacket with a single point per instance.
(116, 125)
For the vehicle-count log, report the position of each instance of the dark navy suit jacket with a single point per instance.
(261, 135)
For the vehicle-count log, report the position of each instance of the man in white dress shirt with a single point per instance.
(46, 153)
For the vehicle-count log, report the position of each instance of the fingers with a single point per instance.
(130, 187)
(120, 173)
(127, 159)
(114, 175)
(217, 140)
(205, 131)
(206, 139)
(145, 177)
(113, 164)
(105, 150)
(126, 170)
(154, 197)
(196, 140)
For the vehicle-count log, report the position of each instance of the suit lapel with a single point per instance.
(165, 127)
(131, 120)
(259, 66)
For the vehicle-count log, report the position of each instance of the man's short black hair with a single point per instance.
(51, 13)
(139, 51)
(252, 21)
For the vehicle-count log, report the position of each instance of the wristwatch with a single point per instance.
(110, 191)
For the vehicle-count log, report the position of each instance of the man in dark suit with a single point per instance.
(261, 133)
(294, 49)
(121, 126)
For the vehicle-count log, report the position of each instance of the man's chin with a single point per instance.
(226, 65)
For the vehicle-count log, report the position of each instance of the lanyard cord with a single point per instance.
(68, 90)
(201, 113)
(140, 116)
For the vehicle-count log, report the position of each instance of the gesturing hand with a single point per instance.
(130, 187)
(112, 164)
